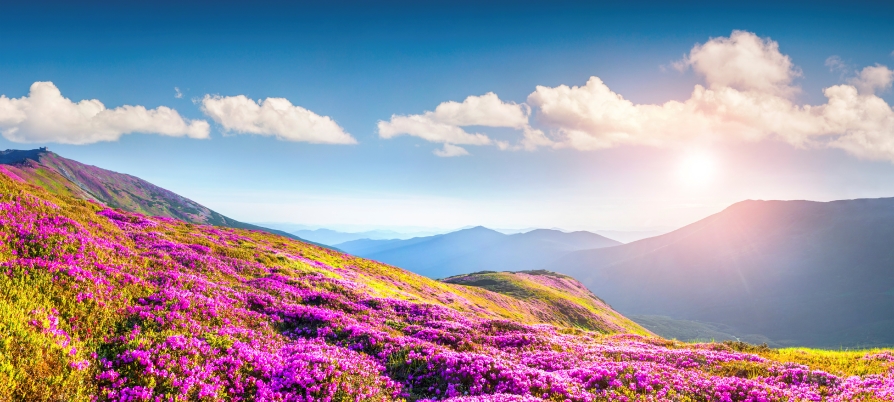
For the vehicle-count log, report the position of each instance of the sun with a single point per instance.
(697, 168)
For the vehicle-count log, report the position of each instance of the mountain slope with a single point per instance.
(104, 305)
(797, 272)
(67, 177)
(551, 297)
(475, 249)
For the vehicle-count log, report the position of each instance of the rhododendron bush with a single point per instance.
(99, 304)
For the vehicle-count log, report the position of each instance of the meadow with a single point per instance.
(101, 304)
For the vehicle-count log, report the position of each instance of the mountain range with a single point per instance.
(793, 272)
(333, 237)
(476, 249)
(68, 177)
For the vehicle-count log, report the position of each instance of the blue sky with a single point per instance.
(360, 63)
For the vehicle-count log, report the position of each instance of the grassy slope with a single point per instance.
(552, 296)
(382, 280)
(32, 361)
(63, 176)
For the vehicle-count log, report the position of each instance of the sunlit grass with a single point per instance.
(838, 362)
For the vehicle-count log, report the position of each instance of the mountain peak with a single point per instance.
(11, 156)
(479, 228)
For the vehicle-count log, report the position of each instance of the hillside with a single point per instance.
(551, 297)
(99, 304)
(476, 249)
(63, 176)
(795, 272)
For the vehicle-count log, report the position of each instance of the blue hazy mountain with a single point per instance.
(798, 272)
(333, 237)
(475, 249)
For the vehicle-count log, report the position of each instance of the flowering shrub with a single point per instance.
(102, 305)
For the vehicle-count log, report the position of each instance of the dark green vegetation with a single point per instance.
(817, 274)
(63, 176)
(476, 249)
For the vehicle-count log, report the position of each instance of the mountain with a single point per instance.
(333, 237)
(99, 304)
(550, 296)
(67, 177)
(475, 249)
(627, 236)
(796, 272)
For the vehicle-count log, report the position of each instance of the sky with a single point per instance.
(446, 114)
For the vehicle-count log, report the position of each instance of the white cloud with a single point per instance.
(430, 130)
(177, 93)
(747, 98)
(44, 115)
(743, 61)
(273, 117)
(872, 79)
(485, 110)
(444, 124)
(748, 95)
(450, 150)
(835, 64)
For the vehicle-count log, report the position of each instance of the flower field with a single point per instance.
(99, 304)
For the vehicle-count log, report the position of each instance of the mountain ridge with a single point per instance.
(118, 190)
(476, 249)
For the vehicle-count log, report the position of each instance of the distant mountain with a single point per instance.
(333, 237)
(67, 177)
(627, 236)
(798, 272)
(475, 249)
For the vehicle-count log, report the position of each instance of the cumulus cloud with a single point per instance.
(430, 130)
(44, 115)
(485, 110)
(743, 61)
(450, 150)
(445, 124)
(273, 117)
(872, 79)
(747, 97)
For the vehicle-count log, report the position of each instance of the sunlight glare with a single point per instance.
(697, 169)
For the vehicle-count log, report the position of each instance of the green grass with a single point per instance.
(838, 362)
